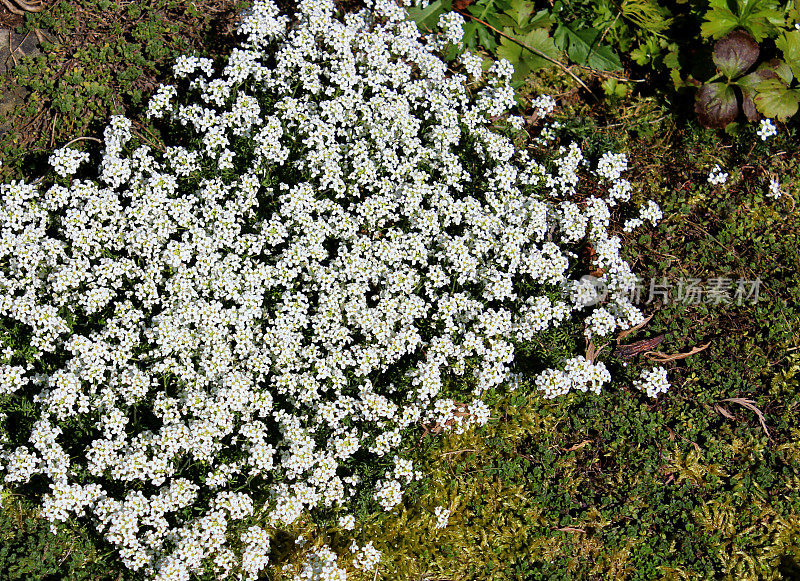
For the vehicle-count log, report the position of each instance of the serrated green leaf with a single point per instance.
(789, 44)
(428, 17)
(583, 49)
(758, 17)
(520, 11)
(719, 22)
(509, 50)
(775, 101)
(779, 68)
(486, 38)
(500, 21)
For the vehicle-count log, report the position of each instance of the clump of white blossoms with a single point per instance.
(239, 319)
(774, 190)
(716, 176)
(66, 161)
(766, 129)
(442, 516)
(652, 381)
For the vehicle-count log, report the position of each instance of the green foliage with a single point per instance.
(761, 18)
(109, 57)
(30, 550)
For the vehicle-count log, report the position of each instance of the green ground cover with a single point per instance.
(703, 482)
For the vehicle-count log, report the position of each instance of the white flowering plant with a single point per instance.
(336, 246)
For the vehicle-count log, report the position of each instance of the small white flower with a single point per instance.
(347, 522)
(442, 516)
(65, 161)
(766, 129)
(717, 176)
(774, 191)
(652, 381)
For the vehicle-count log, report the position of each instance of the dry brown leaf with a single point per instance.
(592, 351)
(461, 4)
(577, 446)
(750, 404)
(570, 530)
(628, 351)
(659, 357)
(623, 334)
(724, 412)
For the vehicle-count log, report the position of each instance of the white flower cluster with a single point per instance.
(66, 161)
(347, 522)
(442, 516)
(320, 565)
(716, 176)
(320, 230)
(578, 374)
(766, 129)
(652, 381)
(650, 212)
(775, 192)
(366, 557)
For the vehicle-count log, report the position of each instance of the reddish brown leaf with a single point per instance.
(461, 4)
(629, 351)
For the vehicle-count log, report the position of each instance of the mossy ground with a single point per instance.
(690, 485)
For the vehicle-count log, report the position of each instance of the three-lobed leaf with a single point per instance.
(583, 48)
(789, 44)
(759, 17)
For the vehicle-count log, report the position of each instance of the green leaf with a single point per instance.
(758, 17)
(520, 11)
(719, 22)
(487, 38)
(716, 105)
(525, 60)
(779, 68)
(789, 44)
(426, 18)
(776, 101)
(509, 50)
(582, 48)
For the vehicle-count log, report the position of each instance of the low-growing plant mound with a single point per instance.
(342, 242)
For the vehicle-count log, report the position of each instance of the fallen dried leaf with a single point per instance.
(628, 351)
(592, 351)
(724, 412)
(577, 446)
(570, 530)
(750, 404)
(632, 330)
(659, 357)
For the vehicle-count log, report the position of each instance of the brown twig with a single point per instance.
(71, 141)
(20, 7)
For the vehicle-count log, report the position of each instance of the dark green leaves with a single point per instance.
(758, 17)
(583, 47)
(789, 43)
(427, 18)
(525, 60)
